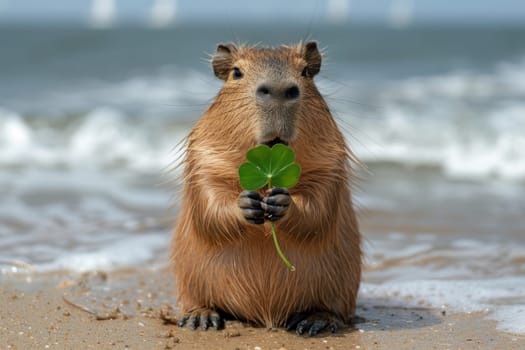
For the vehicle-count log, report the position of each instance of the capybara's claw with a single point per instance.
(311, 327)
(250, 204)
(276, 203)
(292, 322)
(183, 321)
(203, 318)
(313, 324)
(216, 321)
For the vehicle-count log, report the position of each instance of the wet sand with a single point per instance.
(132, 309)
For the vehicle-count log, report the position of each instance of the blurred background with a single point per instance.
(95, 95)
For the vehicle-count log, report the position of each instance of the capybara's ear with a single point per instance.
(313, 58)
(222, 60)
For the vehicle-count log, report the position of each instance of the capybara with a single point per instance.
(224, 257)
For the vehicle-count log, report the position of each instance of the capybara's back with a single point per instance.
(225, 259)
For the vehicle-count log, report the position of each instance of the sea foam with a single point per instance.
(497, 298)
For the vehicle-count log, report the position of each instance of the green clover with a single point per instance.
(273, 167)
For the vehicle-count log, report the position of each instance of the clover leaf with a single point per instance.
(273, 167)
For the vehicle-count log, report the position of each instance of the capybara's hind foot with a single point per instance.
(203, 318)
(313, 323)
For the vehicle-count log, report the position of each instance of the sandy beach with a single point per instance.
(131, 309)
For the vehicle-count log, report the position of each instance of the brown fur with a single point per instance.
(223, 262)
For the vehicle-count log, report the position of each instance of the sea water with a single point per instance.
(90, 122)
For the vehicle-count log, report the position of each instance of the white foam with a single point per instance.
(14, 131)
(104, 137)
(129, 251)
(481, 295)
(16, 137)
(510, 318)
(494, 147)
(501, 155)
(461, 275)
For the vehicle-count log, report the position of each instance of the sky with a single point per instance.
(164, 12)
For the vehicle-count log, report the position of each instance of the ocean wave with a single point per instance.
(467, 125)
(488, 148)
(103, 137)
(491, 146)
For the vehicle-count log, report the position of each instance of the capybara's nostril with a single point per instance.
(263, 91)
(292, 92)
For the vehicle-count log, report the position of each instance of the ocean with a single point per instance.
(90, 121)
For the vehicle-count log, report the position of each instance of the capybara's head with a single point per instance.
(271, 84)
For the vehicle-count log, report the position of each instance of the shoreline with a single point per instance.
(132, 309)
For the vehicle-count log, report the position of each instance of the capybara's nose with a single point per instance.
(268, 92)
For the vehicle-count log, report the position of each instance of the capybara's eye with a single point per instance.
(305, 72)
(237, 74)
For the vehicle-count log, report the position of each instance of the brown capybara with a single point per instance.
(224, 256)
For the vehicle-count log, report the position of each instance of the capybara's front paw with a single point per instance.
(250, 204)
(312, 324)
(203, 318)
(276, 202)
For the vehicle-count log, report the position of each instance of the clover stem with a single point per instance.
(279, 251)
(276, 243)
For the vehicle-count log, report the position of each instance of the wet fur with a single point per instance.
(223, 262)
